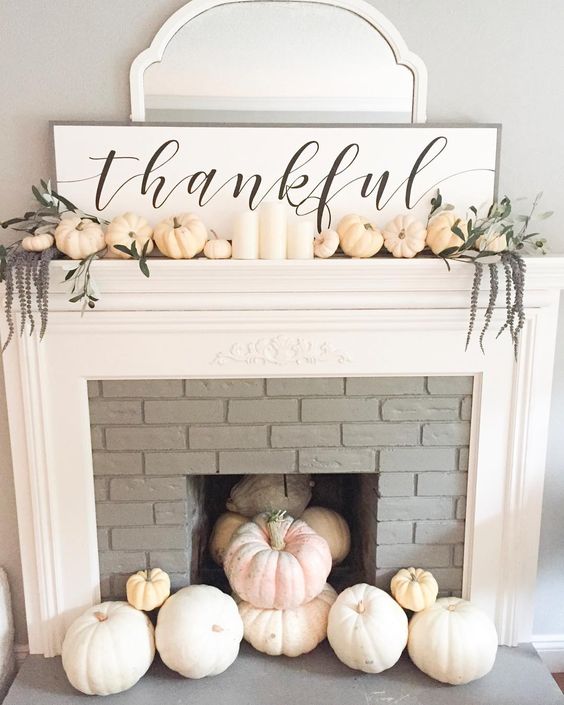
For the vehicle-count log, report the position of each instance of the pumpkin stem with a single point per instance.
(175, 222)
(360, 608)
(275, 526)
(131, 234)
(80, 226)
(100, 616)
(368, 226)
(217, 628)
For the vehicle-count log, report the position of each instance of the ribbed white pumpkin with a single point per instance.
(439, 231)
(404, 236)
(148, 589)
(199, 631)
(38, 243)
(264, 493)
(108, 648)
(181, 236)
(127, 229)
(414, 588)
(367, 629)
(288, 632)
(217, 248)
(452, 641)
(79, 238)
(223, 530)
(334, 529)
(326, 243)
(492, 241)
(359, 237)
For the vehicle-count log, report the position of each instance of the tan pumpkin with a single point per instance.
(404, 236)
(127, 229)
(222, 533)
(334, 529)
(288, 632)
(276, 562)
(38, 243)
(79, 238)
(148, 589)
(326, 243)
(181, 236)
(267, 492)
(359, 237)
(439, 231)
(414, 588)
(217, 248)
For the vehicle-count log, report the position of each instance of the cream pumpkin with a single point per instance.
(414, 588)
(404, 236)
(108, 648)
(492, 241)
(334, 529)
(79, 238)
(359, 237)
(326, 243)
(148, 589)
(181, 236)
(199, 631)
(267, 492)
(439, 231)
(38, 243)
(127, 229)
(222, 533)
(276, 562)
(367, 629)
(288, 632)
(452, 641)
(217, 248)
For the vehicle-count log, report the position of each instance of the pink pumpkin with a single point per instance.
(276, 562)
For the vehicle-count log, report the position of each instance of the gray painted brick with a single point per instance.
(114, 411)
(394, 532)
(97, 437)
(411, 554)
(170, 561)
(124, 513)
(121, 561)
(345, 409)
(148, 488)
(262, 410)
(170, 512)
(149, 538)
(442, 483)
(450, 385)
(385, 386)
(337, 460)
(384, 577)
(415, 508)
(145, 438)
(305, 435)
(103, 540)
(187, 463)
(463, 457)
(228, 436)
(184, 411)
(179, 580)
(101, 488)
(448, 578)
(461, 508)
(418, 459)
(225, 388)
(245, 462)
(94, 388)
(143, 388)
(381, 434)
(420, 409)
(396, 484)
(466, 409)
(446, 434)
(106, 463)
(439, 532)
(458, 556)
(105, 587)
(305, 386)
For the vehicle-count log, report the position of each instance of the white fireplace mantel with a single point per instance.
(229, 319)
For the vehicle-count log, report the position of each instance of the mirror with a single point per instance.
(297, 61)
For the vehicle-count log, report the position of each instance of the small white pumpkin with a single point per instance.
(199, 631)
(367, 629)
(452, 641)
(414, 588)
(359, 237)
(492, 241)
(181, 236)
(264, 493)
(217, 248)
(334, 529)
(38, 243)
(223, 530)
(79, 238)
(326, 243)
(404, 236)
(439, 231)
(108, 648)
(288, 632)
(127, 229)
(148, 589)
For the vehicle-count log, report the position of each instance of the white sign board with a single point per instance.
(321, 172)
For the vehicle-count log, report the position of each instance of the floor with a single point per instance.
(559, 678)
(518, 678)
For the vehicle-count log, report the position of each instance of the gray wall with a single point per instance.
(487, 61)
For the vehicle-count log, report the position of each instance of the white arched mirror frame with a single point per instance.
(381, 24)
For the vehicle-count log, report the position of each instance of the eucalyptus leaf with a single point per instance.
(144, 267)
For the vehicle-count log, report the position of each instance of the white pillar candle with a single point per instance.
(300, 239)
(245, 242)
(272, 227)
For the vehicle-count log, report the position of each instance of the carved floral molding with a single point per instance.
(282, 350)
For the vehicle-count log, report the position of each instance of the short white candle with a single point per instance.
(300, 239)
(272, 227)
(245, 241)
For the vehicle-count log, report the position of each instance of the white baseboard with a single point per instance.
(550, 648)
(21, 652)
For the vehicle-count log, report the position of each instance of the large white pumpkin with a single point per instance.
(255, 494)
(288, 632)
(367, 629)
(108, 648)
(199, 631)
(333, 528)
(452, 641)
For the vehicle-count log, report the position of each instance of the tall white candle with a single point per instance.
(300, 239)
(245, 242)
(272, 227)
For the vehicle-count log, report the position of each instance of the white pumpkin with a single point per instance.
(452, 641)
(108, 648)
(367, 629)
(334, 529)
(492, 241)
(404, 236)
(223, 530)
(38, 243)
(127, 229)
(181, 236)
(414, 588)
(79, 238)
(326, 243)
(217, 248)
(439, 231)
(288, 632)
(264, 493)
(148, 589)
(359, 237)
(199, 631)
